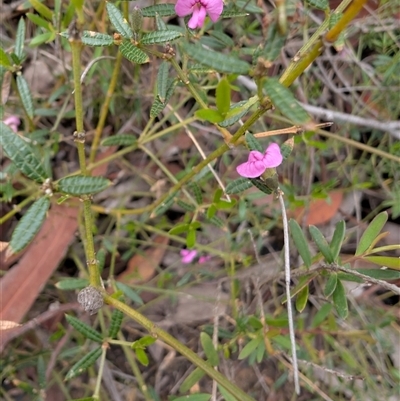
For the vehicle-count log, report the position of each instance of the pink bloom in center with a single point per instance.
(258, 162)
(199, 9)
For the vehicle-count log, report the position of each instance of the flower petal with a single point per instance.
(255, 156)
(273, 156)
(188, 256)
(184, 7)
(251, 169)
(214, 8)
(198, 17)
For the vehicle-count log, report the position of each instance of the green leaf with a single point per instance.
(165, 205)
(84, 329)
(118, 21)
(213, 116)
(115, 324)
(261, 185)
(156, 37)
(163, 10)
(4, 60)
(41, 373)
(218, 61)
(302, 298)
(381, 274)
(29, 225)
(129, 292)
(273, 44)
(84, 363)
(337, 239)
(250, 347)
(158, 106)
(191, 239)
(318, 4)
(197, 192)
(187, 207)
(20, 39)
(223, 96)
(237, 186)
(340, 300)
(133, 53)
(141, 356)
(321, 243)
(194, 397)
(42, 38)
(91, 38)
(144, 342)
(162, 81)
(25, 94)
(43, 10)
(179, 228)
(222, 37)
(321, 315)
(227, 396)
(253, 143)
(232, 13)
(300, 242)
(331, 284)
(191, 380)
(161, 25)
(287, 147)
(283, 99)
(119, 140)
(71, 283)
(209, 350)
(387, 261)
(40, 22)
(82, 185)
(21, 154)
(371, 232)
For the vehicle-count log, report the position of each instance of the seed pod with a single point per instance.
(90, 299)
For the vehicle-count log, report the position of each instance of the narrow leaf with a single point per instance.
(84, 329)
(209, 350)
(371, 232)
(41, 372)
(273, 44)
(191, 380)
(162, 81)
(82, 185)
(337, 239)
(163, 10)
(115, 324)
(129, 292)
(302, 298)
(25, 94)
(4, 60)
(237, 186)
(91, 38)
(43, 10)
(84, 363)
(283, 99)
(287, 148)
(223, 96)
(300, 242)
(142, 356)
(72, 283)
(20, 39)
(119, 140)
(321, 243)
(331, 284)
(253, 143)
(318, 4)
(194, 397)
(249, 348)
(21, 154)
(218, 61)
(321, 315)
(29, 225)
(340, 300)
(158, 105)
(40, 22)
(156, 37)
(118, 21)
(165, 205)
(133, 53)
(381, 274)
(262, 185)
(387, 261)
(213, 116)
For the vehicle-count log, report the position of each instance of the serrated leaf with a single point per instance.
(163, 10)
(191, 380)
(115, 324)
(262, 185)
(300, 242)
(337, 239)
(118, 21)
(25, 94)
(302, 298)
(141, 356)
(218, 61)
(29, 225)
(237, 186)
(156, 37)
(194, 397)
(165, 205)
(318, 4)
(340, 300)
(84, 329)
(91, 38)
(20, 39)
(43, 10)
(213, 116)
(249, 348)
(331, 284)
(283, 99)
(162, 81)
(321, 243)
(253, 143)
(72, 283)
(209, 350)
(119, 140)
(88, 360)
(387, 261)
(371, 232)
(21, 154)
(133, 53)
(223, 96)
(129, 292)
(82, 185)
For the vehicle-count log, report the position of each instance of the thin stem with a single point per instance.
(288, 296)
(96, 394)
(156, 332)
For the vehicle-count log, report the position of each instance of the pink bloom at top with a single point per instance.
(13, 122)
(258, 162)
(188, 256)
(199, 9)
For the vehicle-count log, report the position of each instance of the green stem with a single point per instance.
(96, 394)
(156, 332)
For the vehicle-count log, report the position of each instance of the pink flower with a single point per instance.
(188, 256)
(13, 122)
(199, 9)
(204, 259)
(258, 162)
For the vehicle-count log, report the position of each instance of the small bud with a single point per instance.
(90, 299)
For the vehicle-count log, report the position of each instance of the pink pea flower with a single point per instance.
(204, 259)
(188, 256)
(199, 9)
(258, 162)
(12, 122)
